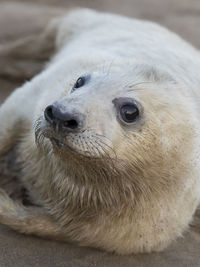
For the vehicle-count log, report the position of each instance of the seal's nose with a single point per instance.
(65, 120)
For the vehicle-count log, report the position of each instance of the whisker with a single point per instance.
(109, 147)
(136, 84)
(109, 67)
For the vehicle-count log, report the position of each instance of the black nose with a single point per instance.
(65, 120)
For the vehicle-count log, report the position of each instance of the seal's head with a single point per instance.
(139, 129)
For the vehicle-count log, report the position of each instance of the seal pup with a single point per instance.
(107, 135)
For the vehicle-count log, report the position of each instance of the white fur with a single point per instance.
(119, 52)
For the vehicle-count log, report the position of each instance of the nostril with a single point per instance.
(64, 120)
(48, 114)
(70, 124)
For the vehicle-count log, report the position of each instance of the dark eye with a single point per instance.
(83, 80)
(129, 112)
(80, 82)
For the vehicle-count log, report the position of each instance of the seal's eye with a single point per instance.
(83, 80)
(80, 82)
(129, 112)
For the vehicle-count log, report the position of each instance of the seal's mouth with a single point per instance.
(64, 146)
(86, 143)
(58, 143)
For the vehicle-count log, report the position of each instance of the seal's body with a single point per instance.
(108, 136)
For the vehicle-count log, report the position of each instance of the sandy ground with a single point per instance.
(28, 17)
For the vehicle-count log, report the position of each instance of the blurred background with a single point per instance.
(23, 18)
